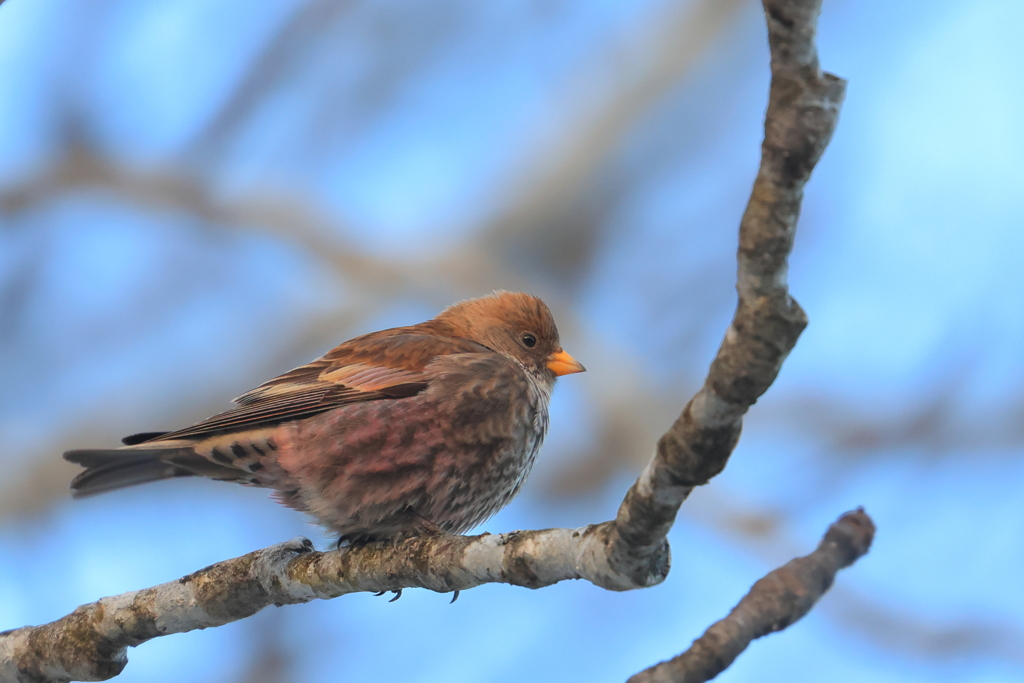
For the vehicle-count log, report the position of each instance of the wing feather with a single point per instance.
(385, 365)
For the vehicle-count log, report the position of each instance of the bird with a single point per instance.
(428, 428)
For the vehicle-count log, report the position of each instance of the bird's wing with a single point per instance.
(370, 368)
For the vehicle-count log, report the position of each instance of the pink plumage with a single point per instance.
(422, 428)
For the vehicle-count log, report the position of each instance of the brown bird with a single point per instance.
(422, 428)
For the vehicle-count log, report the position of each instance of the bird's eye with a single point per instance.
(529, 341)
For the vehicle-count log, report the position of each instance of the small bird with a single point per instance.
(421, 429)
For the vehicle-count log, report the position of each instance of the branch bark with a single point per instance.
(803, 109)
(781, 598)
(628, 552)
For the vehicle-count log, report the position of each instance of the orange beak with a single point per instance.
(562, 363)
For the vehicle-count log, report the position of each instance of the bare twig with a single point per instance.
(540, 217)
(309, 24)
(160, 189)
(90, 643)
(622, 554)
(803, 109)
(781, 598)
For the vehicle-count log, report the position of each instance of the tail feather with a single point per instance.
(110, 469)
(141, 437)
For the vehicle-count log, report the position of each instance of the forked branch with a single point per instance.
(628, 552)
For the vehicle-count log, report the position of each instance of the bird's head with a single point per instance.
(518, 325)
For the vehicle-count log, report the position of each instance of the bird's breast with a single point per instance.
(454, 454)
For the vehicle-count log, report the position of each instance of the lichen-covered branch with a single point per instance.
(625, 553)
(781, 598)
(90, 643)
(803, 109)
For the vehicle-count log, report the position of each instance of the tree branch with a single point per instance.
(628, 552)
(90, 643)
(781, 598)
(803, 109)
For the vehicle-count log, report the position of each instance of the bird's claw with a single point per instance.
(398, 594)
(455, 596)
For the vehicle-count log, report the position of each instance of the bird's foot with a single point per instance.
(398, 594)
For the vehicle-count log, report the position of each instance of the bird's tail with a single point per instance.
(115, 468)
